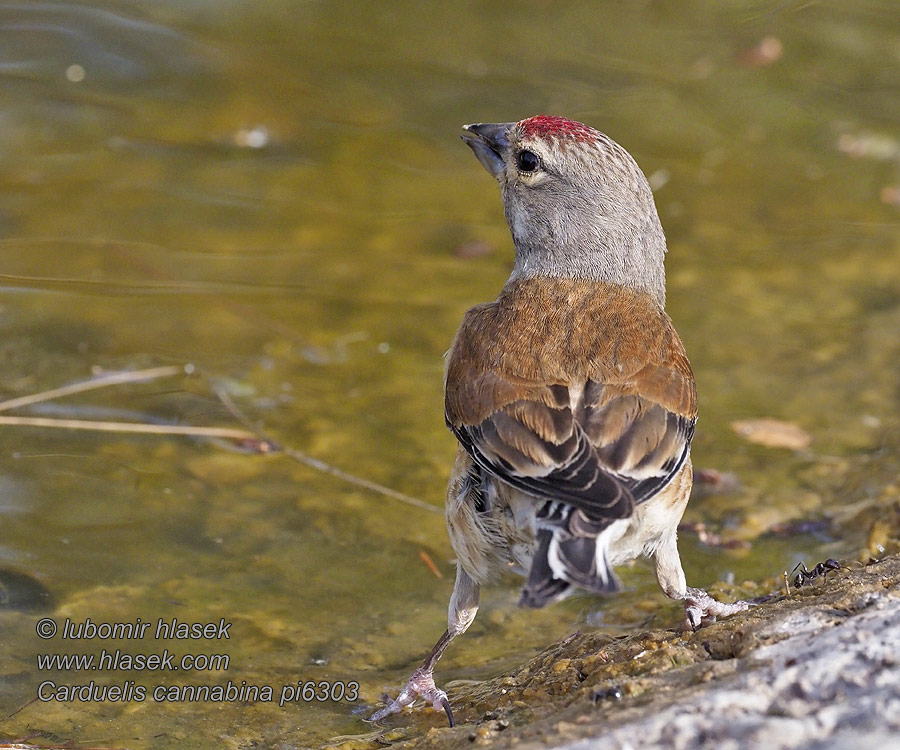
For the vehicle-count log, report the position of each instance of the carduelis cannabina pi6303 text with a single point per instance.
(571, 395)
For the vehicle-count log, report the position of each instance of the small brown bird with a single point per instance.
(571, 395)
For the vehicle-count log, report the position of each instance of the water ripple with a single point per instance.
(45, 39)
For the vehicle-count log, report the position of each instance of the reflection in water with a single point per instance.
(318, 275)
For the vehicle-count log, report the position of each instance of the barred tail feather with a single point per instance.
(543, 586)
(562, 561)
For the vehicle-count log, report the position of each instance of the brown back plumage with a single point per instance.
(573, 390)
(543, 332)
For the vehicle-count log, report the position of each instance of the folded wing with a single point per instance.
(588, 442)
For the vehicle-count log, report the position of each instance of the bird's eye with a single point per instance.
(526, 161)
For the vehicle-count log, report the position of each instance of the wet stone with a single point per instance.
(23, 593)
(782, 652)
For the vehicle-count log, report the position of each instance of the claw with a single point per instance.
(700, 608)
(693, 617)
(420, 685)
(445, 704)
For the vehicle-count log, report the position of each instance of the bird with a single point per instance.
(571, 396)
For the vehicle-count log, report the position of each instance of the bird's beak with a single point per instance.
(489, 142)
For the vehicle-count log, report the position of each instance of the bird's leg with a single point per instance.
(421, 685)
(700, 608)
(462, 610)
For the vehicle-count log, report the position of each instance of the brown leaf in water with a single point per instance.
(710, 539)
(772, 433)
(768, 50)
(473, 249)
(715, 482)
(890, 195)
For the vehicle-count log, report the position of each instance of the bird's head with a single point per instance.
(576, 202)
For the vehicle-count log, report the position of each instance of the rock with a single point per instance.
(798, 671)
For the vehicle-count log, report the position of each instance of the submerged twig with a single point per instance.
(113, 378)
(67, 746)
(246, 439)
(315, 463)
(252, 436)
(20, 708)
(228, 433)
(318, 465)
(429, 563)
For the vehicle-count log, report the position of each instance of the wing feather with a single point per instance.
(593, 406)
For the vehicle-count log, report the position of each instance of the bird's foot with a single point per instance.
(701, 609)
(420, 685)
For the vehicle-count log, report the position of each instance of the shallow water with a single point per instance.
(275, 193)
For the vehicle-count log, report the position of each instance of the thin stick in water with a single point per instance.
(226, 433)
(113, 378)
(315, 463)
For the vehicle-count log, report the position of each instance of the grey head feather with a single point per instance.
(585, 210)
